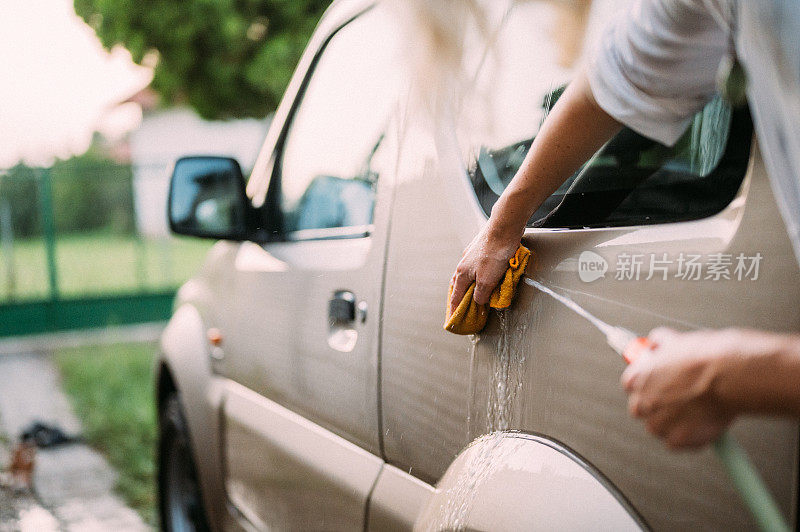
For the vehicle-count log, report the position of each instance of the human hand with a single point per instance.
(672, 387)
(484, 261)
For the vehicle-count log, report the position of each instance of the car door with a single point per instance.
(299, 315)
(645, 236)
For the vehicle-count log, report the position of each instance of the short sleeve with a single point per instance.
(656, 66)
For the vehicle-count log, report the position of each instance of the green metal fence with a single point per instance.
(84, 245)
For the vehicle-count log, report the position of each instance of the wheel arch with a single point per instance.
(523, 481)
(165, 384)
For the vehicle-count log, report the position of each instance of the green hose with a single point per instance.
(749, 484)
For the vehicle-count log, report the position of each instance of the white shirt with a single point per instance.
(657, 66)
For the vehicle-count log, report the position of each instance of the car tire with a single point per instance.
(180, 499)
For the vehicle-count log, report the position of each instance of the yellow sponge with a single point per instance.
(469, 317)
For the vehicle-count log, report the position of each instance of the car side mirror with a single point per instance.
(207, 199)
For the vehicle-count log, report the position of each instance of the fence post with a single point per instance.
(7, 247)
(48, 225)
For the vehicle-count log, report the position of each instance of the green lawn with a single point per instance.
(101, 263)
(111, 389)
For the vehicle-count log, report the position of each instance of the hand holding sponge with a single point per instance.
(470, 317)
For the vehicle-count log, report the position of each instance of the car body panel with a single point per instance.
(290, 465)
(548, 487)
(397, 501)
(276, 330)
(557, 376)
(437, 394)
(573, 385)
(275, 359)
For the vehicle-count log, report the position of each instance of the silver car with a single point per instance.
(305, 381)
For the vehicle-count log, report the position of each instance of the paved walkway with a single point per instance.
(73, 484)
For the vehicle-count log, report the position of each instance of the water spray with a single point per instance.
(748, 482)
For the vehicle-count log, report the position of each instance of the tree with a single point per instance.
(92, 192)
(225, 58)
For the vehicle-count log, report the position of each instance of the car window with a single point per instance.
(327, 168)
(632, 180)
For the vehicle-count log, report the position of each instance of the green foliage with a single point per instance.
(89, 192)
(226, 58)
(111, 388)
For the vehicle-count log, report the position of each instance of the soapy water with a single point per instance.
(506, 379)
(501, 399)
(461, 497)
(493, 404)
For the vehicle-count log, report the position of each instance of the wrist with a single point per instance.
(507, 221)
(758, 373)
(726, 369)
(782, 374)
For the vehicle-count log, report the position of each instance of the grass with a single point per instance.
(111, 390)
(101, 263)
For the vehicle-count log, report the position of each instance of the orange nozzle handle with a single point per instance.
(635, 348)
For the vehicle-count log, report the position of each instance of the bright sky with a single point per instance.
(58, 83)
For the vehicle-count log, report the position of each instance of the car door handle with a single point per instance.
(342, 308)
(342, 333)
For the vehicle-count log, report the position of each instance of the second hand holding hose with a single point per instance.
(738, 466)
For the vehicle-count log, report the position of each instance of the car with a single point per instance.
(305, 381)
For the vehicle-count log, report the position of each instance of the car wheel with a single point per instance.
(180, 502)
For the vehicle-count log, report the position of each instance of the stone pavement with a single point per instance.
(73, 484)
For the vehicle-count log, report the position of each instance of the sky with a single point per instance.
(58, 84)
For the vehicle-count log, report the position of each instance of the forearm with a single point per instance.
(575, 129)
(764, 378)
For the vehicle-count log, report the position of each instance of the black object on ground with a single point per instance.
(44, 435)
